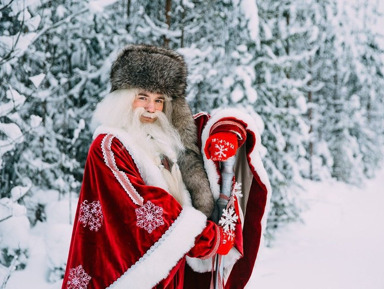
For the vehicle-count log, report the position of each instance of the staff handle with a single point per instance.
(227, 173)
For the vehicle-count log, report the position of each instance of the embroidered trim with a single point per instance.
(78, 278)
(149, 217)
(197, 115)
(122, 178)
(230, 122)
(91, 215)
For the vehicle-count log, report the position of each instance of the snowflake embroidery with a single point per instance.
(237, 190)
(228, 220)
(230, 236)
(149, 217)
(91, 215)
(78, 278)
(221, 151)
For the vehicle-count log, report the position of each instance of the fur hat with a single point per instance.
(151, 68)
(164, 71)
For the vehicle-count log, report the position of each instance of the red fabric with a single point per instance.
(239, 230)
(221, 146)
(106, 239)
(230, 124)
(226, 244)
(207, 242)
(203, 117)
(248, 239)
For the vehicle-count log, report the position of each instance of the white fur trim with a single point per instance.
(159, 260)
(205, 265)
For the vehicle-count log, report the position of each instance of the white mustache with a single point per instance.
(150, 114)
(142, 112)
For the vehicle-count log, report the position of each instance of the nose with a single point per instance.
(150, 106)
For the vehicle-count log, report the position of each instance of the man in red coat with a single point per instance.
(151, 181)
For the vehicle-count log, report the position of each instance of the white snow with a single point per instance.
(237, 94)
(37, 79)
(339, 245)
(19, 191)
(35, 121)
(16, 100)
(97, 6)
(251, 12)
(14, 225)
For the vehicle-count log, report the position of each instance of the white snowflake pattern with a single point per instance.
(78, 278)
(226, 143)
(149, 217)
(237, 190)
(221, 151)
(230, 236)
(91, 215)
(228, 220)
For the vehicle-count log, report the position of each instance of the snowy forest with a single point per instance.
(311, 72)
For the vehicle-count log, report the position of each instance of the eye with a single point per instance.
(142, 97)
(160, 100)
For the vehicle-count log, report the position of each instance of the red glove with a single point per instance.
(227, 226)
(227, 241)
(221, 146)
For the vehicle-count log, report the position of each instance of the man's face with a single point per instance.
(151, 102)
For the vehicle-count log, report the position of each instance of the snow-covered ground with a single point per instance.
(340, 244)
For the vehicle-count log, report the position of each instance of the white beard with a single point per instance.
(157, 139)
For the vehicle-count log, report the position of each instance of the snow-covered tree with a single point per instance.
(19, 28)
(343, 99)
(281, 83)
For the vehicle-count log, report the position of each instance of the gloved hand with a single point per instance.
(227, 241)
(227, 226)
(221, 146)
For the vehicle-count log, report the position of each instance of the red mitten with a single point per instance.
(221, 146)
(227, 239)
(227, 226)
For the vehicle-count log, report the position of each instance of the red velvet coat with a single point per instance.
(129, 232)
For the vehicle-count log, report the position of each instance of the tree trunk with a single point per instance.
(168, 5)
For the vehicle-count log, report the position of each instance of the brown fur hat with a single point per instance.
(151, 68)
(164, 71)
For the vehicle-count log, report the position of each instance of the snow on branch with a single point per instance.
(28, 39)
(162, 31)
